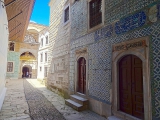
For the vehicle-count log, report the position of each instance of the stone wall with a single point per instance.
(116, 30)
(59, 35)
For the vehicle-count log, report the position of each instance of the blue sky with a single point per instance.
(40, 12)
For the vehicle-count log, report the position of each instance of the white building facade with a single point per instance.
(3, 50)
(43, 54)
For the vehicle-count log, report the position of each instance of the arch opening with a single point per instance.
(27, 71)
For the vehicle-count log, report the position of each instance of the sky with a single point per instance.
(40, 13)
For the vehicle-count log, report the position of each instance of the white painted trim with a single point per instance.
(2, 96)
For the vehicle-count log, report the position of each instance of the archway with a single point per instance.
(131, 86)
(27, 71)
(82, 75)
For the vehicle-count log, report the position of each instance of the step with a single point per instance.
(81, 95)
(74, 105)
(79, 99)
(113, 118)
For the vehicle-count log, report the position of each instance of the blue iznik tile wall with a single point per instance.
(14, 57)
(99, 44)
(116, 9)
(79, 26)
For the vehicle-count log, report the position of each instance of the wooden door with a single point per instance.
(131, 86)
(82, 75)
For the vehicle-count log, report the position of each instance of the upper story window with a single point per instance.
(11, 46)
(45, 71)
(42, 42)
(46, 39)
(40, 68)
(66, 14)
(41, 57)
(95, 13)
(45, 57)
(10, 67)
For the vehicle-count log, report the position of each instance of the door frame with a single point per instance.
(142, 53)
(81, 53)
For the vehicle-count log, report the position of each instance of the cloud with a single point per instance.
(32, 21)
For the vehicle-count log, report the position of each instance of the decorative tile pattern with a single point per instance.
(100, 50)
(158, 7)
(104, 32)
(130, 23)
(117, 9)
(100, 60)
(13, 56)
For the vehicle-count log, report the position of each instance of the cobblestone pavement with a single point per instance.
(15, 106)
(41, 101)
(59, 103)
(39, 107)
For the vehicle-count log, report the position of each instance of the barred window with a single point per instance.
(11, 46)
(66, 14)
(10, 67)
(95, 9)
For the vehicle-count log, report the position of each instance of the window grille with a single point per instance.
(95, 12)
(10, 67)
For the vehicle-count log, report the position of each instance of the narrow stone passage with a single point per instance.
(39, 107)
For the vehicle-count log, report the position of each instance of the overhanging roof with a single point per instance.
(18, 14)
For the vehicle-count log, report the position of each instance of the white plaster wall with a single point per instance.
(42, 49)
(3, 50)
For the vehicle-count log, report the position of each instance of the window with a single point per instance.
(42, 42)
(66, 14)
(45, 57)
(45, 71)
(46, 39)
(11, 46)
(40, 68)
(95, 9)
(10, 67)
(41, 57)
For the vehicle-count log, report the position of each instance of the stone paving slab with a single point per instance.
(59, 104)
(41, 101)
(15, 106)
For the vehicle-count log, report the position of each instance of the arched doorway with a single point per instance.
(26, 71)
(131, 86)
(81, 75)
